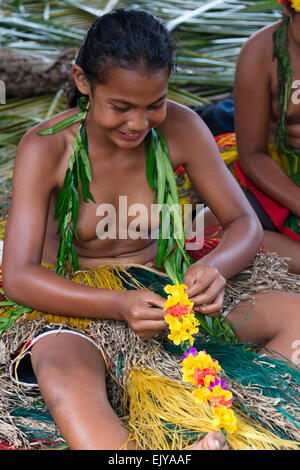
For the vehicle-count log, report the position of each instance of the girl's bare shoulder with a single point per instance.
(260, 44)
(180, 119)
(46, 152)
(184, 130)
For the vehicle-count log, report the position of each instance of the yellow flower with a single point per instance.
(182, 329)
(218, 391)
(296, 5)
(177, 296)
(201, 361)
(224, 418)
(175, 289)
(208, 379)
(189, 364)
(201, 394)
(218, 397)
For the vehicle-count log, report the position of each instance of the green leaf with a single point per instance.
(75, 207)
(150, 147)
(170, 268)
(161, 175)
(4, 319)
(169, 170)
(209, 322)
(62, 125)
(170, 245)
(177, 259)
(74, 259)
(160, 245)
(177, 219)
(85, 159)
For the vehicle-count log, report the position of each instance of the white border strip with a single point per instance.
(27, 351)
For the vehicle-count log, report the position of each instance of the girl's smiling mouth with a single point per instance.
(131, 136)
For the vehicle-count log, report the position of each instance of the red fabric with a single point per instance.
(211, 240)
(284, 2)
(180, 169)
(226, 140)
(40, 444)
(277, 213)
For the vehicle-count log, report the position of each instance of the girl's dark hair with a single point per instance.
(123, 38)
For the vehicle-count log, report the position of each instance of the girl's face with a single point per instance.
(128, 105)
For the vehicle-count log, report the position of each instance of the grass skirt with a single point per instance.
(144, 377)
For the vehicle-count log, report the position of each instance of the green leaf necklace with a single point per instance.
(284, 77)
(67, 204)
(171, 242)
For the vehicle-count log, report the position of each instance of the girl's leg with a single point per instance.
(273, 321)
(71, 375)
(275, 242)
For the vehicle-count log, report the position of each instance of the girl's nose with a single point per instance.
(138, 122)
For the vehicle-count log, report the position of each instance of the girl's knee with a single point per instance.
(64, 364)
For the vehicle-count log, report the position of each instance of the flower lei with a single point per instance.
(199, 368)
(294, 4)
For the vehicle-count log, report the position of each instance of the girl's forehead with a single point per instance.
(125, 82)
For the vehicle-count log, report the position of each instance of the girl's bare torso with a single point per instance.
(119, 174)
(113, 176)
(293, 110)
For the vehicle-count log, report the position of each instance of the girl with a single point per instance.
(267, 123)
(122, 69)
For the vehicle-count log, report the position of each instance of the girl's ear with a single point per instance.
(80, 80)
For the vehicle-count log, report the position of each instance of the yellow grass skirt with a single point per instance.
(144, 379)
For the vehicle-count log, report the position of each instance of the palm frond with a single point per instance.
(210, 36)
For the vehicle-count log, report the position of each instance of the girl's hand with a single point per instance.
(137, 310)
(205, 286)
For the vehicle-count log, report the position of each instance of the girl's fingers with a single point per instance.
(215, 308)
(210, 294)
(199, 285)
(147, 329)
(154, 299)
(148, 314)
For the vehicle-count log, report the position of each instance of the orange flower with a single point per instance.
(179, 310)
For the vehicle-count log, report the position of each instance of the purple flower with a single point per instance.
(218, 382)
(192, 351)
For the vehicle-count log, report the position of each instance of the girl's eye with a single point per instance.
(124, 110)
(120, 110)
(157, 106)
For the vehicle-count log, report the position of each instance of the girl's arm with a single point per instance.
(252, 121)
(243, 233)
(24, 280)
(194, 146)
(28, 283)
(218, 189)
